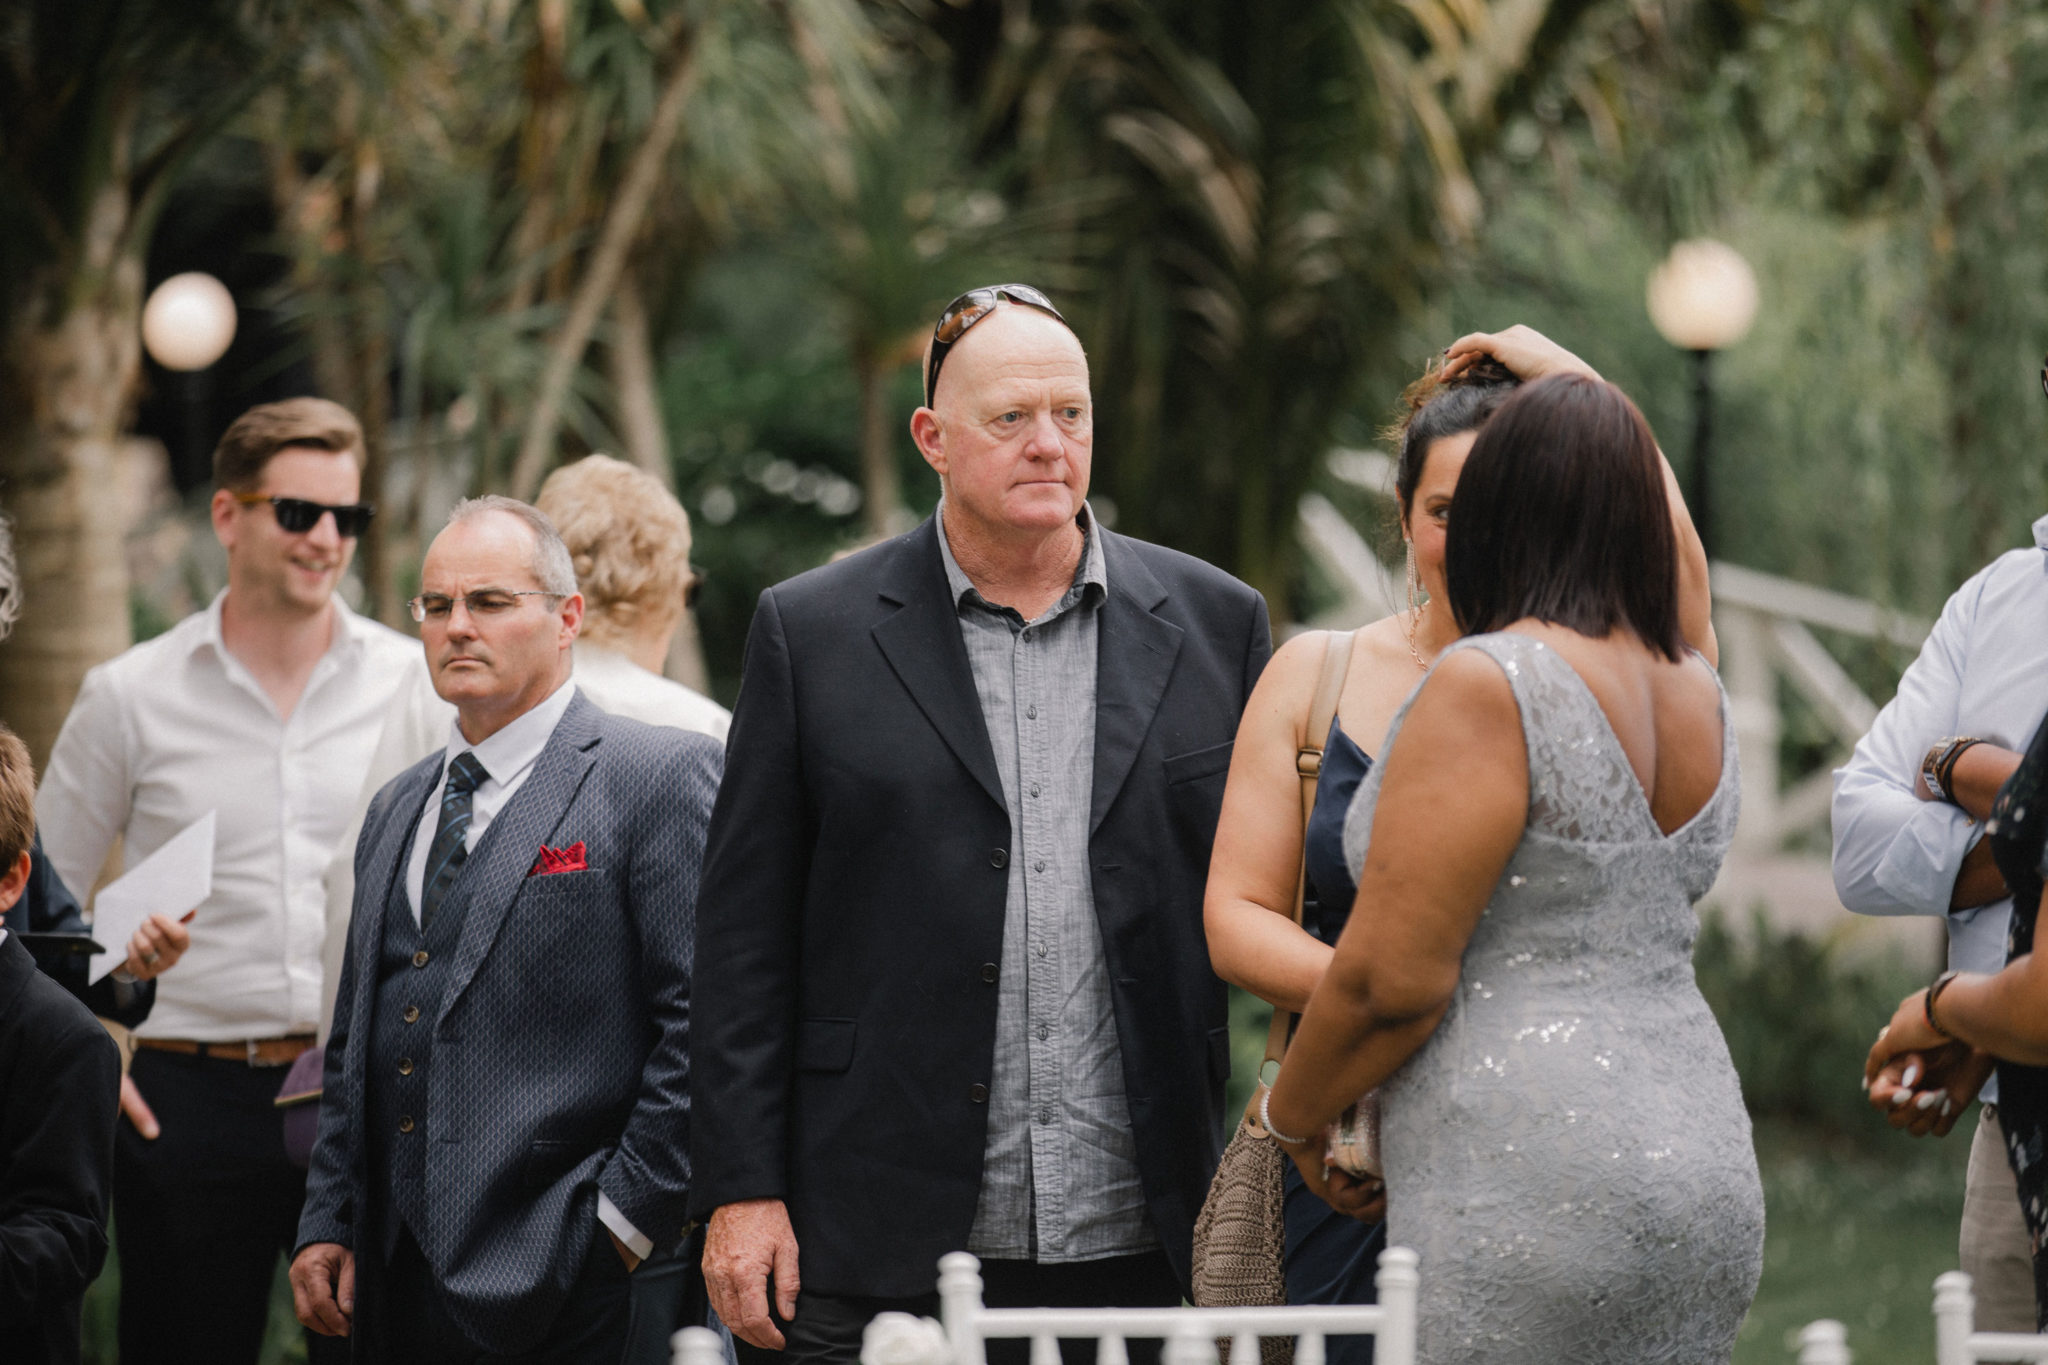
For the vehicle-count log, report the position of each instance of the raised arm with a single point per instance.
(1530, 356)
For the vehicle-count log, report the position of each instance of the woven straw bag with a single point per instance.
(1241, 1234)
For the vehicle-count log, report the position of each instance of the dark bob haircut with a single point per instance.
(1561, 515)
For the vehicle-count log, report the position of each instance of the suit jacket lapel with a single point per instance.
(1134, 655)
(497, 867)
(921, 640)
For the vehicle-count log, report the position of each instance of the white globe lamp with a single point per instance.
(1703, 297)
(188, 321)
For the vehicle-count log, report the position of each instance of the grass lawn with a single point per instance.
(1857, 1232)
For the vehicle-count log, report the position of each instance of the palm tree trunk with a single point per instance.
(67, 376)
(622, 223)
(881, 487)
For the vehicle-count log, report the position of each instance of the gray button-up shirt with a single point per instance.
(1060, 1174)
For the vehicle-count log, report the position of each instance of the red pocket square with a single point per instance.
(553, 860)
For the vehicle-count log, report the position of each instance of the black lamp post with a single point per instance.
(1702, 299)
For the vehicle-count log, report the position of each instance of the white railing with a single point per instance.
(1824, 1343)
(697, 1346)
(1190, 1334)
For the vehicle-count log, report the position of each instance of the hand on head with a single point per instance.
(1524, 350)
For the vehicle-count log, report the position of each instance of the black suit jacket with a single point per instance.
(854, 893)
(48, 907)
(60, 1081)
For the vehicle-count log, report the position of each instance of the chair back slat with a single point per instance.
(1190, 1334)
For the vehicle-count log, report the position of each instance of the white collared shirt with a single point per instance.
(508, 755)
(1982, 672)
(176, 727)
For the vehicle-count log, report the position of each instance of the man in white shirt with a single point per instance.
(1908, 833)
(503, 1136)
(262, 708)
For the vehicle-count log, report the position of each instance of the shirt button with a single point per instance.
(1041, 950)
(988, 972)
(405, 1066)
(405, 1123)
(978, 1093)
(1043, 1032)
(1045, 1116)
(1031, 713)
(1034, 789)
(998, 857)
(419, 959)
(1038, 866)
(412, 1014)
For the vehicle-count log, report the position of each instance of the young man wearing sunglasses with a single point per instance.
(263, 709)
(952, 989)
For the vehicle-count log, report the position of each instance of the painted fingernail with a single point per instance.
(1901, 1097)
(1912, 1075)
(1927, 1100)
(1948, 1106)
(1866, 1085)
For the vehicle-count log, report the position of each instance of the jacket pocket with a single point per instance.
(548, 1160)
(825, 1044)
(1199, 763)
(1219, 1054)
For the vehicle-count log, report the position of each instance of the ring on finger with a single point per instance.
(149, 959)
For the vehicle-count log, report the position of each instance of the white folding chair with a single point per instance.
(1956, 1342)
(1190, 1334)
(1824, 1343)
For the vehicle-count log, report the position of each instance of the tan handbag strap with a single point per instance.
(1308, 762)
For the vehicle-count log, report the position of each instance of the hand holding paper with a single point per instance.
(171, 883)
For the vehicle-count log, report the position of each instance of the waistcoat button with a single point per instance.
(405, 1066)
(419, 959)
(989, 973)
(405, 1123)
(998, 857)
(412, 1014)
(978, 1093)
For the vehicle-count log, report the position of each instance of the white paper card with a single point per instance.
(174, 879)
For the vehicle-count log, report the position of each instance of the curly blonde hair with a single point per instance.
(630, 542)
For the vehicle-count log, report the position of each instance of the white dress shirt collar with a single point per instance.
(2041, 533)
(508, 752)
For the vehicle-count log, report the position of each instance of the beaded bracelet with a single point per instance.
(1266, 1122)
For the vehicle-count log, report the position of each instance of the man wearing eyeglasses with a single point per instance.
(503, 1138)
(263, 708)
(952, 988)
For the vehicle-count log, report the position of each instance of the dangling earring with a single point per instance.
(1415, 608)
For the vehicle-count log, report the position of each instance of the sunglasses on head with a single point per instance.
(298, 516)
(970, 308)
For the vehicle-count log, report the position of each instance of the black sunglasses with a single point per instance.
(970, 308)
(297, 516)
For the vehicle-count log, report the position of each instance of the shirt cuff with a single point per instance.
(608, 1214)
(1920, 867)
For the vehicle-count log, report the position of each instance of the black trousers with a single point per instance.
(609, 1318)
(828, 1327)
(204, 1214)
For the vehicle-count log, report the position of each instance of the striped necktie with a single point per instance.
(445, 855)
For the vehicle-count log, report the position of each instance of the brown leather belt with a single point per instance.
(251, 1052)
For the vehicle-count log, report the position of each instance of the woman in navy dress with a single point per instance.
(1262, 848)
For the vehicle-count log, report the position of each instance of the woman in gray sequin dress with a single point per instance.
(1563, 1137)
